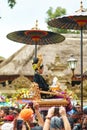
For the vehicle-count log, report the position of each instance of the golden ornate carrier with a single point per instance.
(34, 95)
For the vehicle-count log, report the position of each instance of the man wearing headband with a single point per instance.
(38, 78)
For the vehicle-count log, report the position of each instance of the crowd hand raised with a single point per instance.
(51, 112)
(62, 111)
(35, 105)
(39, 116)
(63, 114)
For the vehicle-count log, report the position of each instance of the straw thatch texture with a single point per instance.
(54, 57)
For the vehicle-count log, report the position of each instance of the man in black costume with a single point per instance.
(38, 78)
(38, 67)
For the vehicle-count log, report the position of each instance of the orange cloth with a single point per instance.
(25, 114)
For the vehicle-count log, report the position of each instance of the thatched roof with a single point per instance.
(15, 63)
(53, 56)
(1, 59)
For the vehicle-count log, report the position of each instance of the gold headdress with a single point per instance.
(37, 62)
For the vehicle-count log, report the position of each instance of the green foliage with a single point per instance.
(11, 3)
(57, 12)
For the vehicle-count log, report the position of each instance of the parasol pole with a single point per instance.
(81, 68)
(35, 28)
(81, 49)
(35, 50)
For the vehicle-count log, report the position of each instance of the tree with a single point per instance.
(11, 3)
(57, 12)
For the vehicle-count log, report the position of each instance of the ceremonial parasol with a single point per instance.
(35, 37)
(75, 21)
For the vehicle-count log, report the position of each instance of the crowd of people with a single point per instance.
(29, 117)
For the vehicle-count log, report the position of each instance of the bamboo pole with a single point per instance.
(54, 93)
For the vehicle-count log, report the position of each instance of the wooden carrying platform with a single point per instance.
(34, 94)
(52, 102)
(45, 104)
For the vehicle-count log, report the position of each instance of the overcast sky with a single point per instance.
(23, 17)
